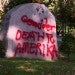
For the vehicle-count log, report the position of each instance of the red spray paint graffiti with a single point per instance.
(40, 25)
(36, 47)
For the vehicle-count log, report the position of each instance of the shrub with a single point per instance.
(2, 49)
(68, 44)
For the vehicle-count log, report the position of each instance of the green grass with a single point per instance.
(25, 66)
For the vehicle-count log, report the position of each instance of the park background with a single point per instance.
(64, 12)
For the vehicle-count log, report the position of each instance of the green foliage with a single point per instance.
(66, 11)
(2, 49)
(14, 3)
(68, 44)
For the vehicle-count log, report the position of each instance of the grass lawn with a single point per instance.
(25, 66)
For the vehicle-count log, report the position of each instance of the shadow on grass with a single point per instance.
(66, 58)
(25, 66)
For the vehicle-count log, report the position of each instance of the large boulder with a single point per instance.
(30, 31)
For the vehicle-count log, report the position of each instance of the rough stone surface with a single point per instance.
(5, 23)
(30, 31)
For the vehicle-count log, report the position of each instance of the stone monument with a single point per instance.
(30, 31)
